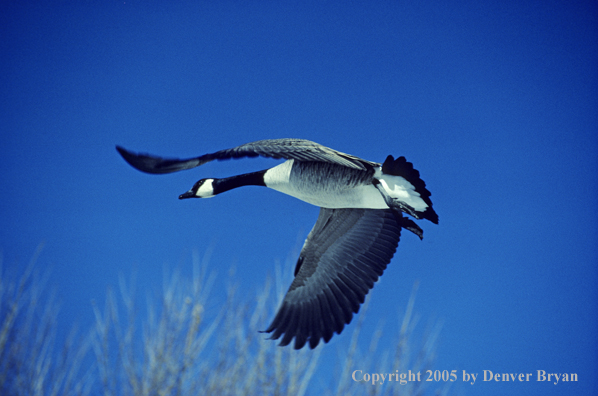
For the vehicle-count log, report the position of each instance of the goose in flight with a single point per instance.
(355, 236)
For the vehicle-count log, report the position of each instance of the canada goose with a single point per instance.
(354, 238)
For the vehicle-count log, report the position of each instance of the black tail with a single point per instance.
(400, 167)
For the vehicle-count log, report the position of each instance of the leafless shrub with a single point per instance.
(30, 362)
(174, 346)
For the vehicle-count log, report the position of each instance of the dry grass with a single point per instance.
(174, 346)
(30, 361)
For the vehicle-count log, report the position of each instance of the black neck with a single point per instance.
(247, 179)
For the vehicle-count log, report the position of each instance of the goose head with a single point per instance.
(203, 188)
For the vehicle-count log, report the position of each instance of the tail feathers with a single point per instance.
(400, 167)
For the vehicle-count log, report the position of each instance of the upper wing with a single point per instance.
(297, 149)
(343, 255)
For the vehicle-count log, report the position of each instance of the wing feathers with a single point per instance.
(297, 149)
(344, 254)
(358, 288)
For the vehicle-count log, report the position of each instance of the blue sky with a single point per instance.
(495, 103)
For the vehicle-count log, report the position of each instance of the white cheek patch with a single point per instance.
(399, 188)
(206, 190)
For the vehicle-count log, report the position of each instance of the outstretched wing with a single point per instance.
(297, 149)
(343, 255)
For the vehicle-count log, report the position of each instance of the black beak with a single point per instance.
(188, 194)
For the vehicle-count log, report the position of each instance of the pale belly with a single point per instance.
(333, 186)
(326, 190)
(366, 197)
